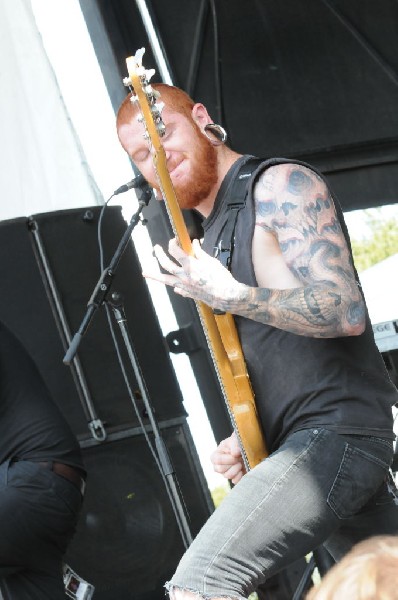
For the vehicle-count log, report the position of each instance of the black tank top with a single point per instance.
(299, 382)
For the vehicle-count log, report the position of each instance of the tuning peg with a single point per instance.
(159, 107)
(138, 56)
(127, 82)
(161, 128)
(149, 73)
(151, 93)
(156, 114)
(134, 99)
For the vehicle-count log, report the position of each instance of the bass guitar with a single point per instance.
(220, 330)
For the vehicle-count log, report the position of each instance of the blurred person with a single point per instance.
(42, 480)
(368, 572)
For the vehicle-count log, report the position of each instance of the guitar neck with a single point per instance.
(220, 331)
(172, 206)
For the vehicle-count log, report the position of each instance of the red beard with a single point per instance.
(203, 173)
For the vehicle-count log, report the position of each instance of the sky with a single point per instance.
(69, 49)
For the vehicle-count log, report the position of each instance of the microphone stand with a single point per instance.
(98, 298)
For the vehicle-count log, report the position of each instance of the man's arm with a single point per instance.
(302, 263)
(297, 222)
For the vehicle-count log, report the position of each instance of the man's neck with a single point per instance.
(226, 158)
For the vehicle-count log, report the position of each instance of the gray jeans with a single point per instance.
(318, 488)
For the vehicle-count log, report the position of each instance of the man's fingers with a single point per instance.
(223, 459)
(160, 277)
(197, 249)
(174, 246)
(166, 262)
(233, 471)
(237, 478)
(230, 446)
(227, 459)
(228, 471)
(176, 251)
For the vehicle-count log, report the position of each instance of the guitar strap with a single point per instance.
(238, 196)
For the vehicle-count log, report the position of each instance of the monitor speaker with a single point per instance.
(128, 542)
(49, 269)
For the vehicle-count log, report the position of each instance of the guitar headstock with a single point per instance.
(145, 97)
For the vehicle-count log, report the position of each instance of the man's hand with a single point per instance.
(200, 277)
(227, 459)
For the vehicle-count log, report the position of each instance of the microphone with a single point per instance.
(134, 183)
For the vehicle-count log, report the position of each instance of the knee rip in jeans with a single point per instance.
(177, 593)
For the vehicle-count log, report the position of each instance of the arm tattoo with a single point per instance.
(297, 208)
(299, 183)
(309, 311)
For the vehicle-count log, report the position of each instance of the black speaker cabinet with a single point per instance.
(128, 541)
(58, 253)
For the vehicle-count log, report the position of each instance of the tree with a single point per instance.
(218, 493)
(381, 243)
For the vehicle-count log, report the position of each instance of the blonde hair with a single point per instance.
(368, 572)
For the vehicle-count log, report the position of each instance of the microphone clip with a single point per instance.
(137, 182)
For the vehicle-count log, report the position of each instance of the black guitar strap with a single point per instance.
(237, 201)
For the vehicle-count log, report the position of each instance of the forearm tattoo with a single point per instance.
(307, 311)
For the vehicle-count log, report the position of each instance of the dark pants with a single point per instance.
(38, 515)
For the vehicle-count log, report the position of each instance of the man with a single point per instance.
(322, 392)
(41, 480)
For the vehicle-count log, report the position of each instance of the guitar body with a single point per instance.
(220, 330)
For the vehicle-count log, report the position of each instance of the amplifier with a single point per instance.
(386, 335)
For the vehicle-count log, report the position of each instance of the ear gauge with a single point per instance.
(215, 133)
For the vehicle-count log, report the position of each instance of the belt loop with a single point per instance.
(6, 465)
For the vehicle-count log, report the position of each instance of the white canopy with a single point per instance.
(43, 165)
(380, 286)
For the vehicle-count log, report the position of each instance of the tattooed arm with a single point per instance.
(318, 294)
(300, 256)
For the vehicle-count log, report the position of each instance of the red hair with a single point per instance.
(175, 99)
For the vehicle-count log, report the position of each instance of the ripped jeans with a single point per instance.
(318, 488)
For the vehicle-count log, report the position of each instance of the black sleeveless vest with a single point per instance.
(299, 382)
